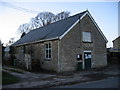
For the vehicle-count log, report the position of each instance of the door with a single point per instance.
(87, 60)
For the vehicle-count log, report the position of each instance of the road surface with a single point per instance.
(111, 82)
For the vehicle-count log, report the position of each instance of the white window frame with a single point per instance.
(49, 49)
(86, 36)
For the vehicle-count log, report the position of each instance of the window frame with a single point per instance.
(48, 51)
(89, 36)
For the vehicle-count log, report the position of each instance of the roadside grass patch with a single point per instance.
(16, 71)
(12, 70)
(8, 79)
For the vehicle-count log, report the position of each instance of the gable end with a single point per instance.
(72, 26)
(87, 13)
(97, 26)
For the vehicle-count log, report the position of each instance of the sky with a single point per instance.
(105, 13)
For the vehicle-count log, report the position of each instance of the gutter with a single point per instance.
(43, 40)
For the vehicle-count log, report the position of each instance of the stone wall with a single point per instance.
(72, 44)
(33, 56)
(116, 44)
(52, 63)
(99, 53)
(39, 56)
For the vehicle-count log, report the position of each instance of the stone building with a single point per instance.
(116, 44)
(66, 45)
(113, 54)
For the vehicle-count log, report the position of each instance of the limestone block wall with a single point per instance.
(72, 44)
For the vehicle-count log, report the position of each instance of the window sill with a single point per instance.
(87, 41)
(47, 59)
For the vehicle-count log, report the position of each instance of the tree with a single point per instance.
(45, 18)
(24, 28)
(62, 15)
(11, 41)
(34, 23)
(42, 19)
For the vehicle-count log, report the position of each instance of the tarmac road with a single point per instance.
(111, 82)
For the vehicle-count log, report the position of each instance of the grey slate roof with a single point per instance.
(53, 30)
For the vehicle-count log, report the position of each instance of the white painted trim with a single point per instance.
(83, 64)
(83, 15)
(73, 25)
(87, 51)
(45, 50)
(69, 29)
(97, 26)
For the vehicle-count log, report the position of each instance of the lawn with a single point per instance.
(8, 79)
(16, 71)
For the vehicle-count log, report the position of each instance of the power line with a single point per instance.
(19, 8)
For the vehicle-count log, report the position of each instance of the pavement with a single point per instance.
(46, 80)
(111, 82)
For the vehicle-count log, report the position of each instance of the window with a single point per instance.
(48, 51)
(87, 36)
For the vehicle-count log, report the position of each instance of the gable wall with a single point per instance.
(71, 45)
(99, 45)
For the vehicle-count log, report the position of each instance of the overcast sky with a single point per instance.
(11, 17)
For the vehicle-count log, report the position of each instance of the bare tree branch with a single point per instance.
(62, 15)
(42, 19)
(45, 18)
(24, 28)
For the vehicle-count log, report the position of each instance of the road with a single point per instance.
(111, 82)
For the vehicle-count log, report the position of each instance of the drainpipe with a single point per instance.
(58, 56)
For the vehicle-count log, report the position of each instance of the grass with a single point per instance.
(8, 79)
(12, 70)
(16, 71)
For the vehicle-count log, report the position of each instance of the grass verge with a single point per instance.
(16, 71)
(8, 79)
(12, 70)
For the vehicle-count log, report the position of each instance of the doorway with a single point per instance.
(87, 59)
